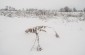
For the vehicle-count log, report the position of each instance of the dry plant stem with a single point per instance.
(34, 44)
(56, 35)
(38, 46)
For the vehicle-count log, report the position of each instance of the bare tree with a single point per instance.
(74, 10)
(67, 9)
(84, 10)
(62, 10)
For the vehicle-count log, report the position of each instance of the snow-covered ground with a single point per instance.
(14, 40)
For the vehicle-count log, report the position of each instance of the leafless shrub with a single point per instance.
(36, 31)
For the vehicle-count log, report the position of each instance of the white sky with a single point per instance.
(43, 4)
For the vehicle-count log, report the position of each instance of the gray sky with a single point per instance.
(43, 4)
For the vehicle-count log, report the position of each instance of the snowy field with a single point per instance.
(14, 40)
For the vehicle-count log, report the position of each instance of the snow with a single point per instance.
(14, 40)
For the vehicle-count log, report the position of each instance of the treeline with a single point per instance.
(67, 9)
(41, 13)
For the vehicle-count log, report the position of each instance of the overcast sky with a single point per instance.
(43, 4)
